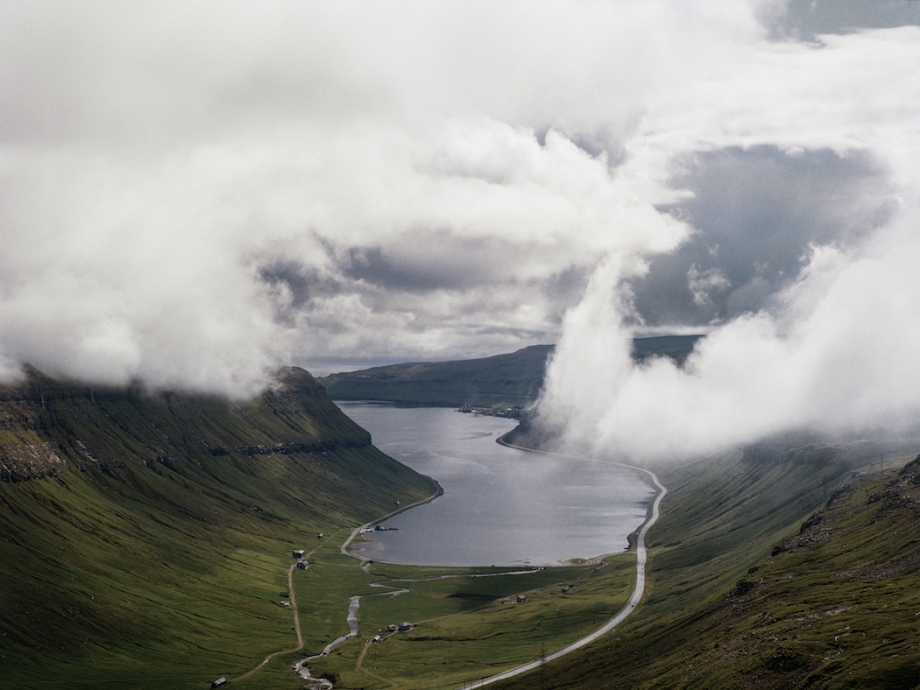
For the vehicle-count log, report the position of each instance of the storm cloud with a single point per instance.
(809, 19)
(756, 211)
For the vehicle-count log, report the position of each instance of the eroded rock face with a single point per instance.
(23, 461)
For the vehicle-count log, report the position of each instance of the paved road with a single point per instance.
(641, 560)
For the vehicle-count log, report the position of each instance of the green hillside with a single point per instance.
(146, 538)
(507, 380)
(751, 587)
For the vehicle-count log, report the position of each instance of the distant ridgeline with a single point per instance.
(143, 535)
(510, 380)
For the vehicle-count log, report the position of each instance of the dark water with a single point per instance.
(500, 506)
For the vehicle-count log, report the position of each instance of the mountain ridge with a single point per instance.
(512, 379)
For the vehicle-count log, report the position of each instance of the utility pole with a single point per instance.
(543, 666)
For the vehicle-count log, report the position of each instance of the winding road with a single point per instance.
(354, 603)
(638, 591)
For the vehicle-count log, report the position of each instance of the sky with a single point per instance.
(192, 193)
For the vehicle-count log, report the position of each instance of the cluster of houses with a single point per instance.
(379, 528)
(301, 563)
(510, 412)
(392, 628)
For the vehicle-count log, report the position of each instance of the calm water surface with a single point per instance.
(500, 506)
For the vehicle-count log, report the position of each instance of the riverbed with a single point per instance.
(500, 506)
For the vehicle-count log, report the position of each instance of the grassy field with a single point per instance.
(145, 542)
(466, 623)
(138, 577)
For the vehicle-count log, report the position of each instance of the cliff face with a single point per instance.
(47, 426)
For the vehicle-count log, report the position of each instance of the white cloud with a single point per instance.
(192, 192)
(703, 283)
(836, 352)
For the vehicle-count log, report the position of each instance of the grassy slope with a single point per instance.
(698, 629)
(159, 564)
(507, 380)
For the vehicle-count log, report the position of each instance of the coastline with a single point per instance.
(636, 541)
(631, 605)
(357, 530)
(574, 561)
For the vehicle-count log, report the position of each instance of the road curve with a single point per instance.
(638, 591)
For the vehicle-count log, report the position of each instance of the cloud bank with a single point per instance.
(827, 344)
(191, 193)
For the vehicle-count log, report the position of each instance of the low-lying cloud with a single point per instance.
(836, 355)
(194, 192)
(801, 277)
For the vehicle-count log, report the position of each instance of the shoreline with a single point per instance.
(357, 530)
(638, 591)
(569, 562)
(636, 544)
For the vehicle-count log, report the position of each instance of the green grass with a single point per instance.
(467, 626)
(159, 563)
(167, 573)
(107, 576)
(156, 558)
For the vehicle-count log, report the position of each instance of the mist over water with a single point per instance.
(501, 506)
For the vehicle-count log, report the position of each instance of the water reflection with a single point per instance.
(501, 506)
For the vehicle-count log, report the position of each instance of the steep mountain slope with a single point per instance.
(507, 380)
(752, 589)
(146, 538)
